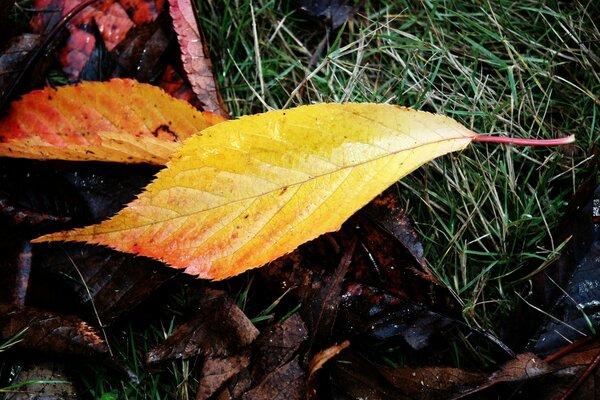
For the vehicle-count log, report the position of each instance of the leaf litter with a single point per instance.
(246, 371)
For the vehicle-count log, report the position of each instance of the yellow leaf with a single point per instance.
(244, 192)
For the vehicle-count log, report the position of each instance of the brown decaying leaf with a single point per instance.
(323, 356)
(49, 333)
(120, 120)
(14, 57)
(353, 378)
(43, 380)
(323, 302)
(142, 54)
(385, 211)
(334, 12)
(218, 328)
(109, 285)
(278, 344)
(195, 57)
(287, 382)
(216, 371)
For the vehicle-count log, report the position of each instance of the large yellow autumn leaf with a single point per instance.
(242, 193)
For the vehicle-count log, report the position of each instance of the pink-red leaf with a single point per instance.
(195, 56)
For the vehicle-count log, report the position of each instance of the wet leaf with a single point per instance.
(278, 344)
(108, 285)
(322, 303)
(114, 19)
(142, 55)
(120, 120)
(218, 328)
(45, 332)
(216, 371)
(13, 59)
(285, 383)
(334, 12)
(195, 56)
(43, 380)
(381, 318)
(245, 192)
(575, 315)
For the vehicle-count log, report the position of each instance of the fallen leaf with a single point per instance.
(120, 120)
(334, 12)
(285, 383)
(353, 377)
(42, 380)
(143, 53)
(44, 332)
(13, 59)
(386, 212)
(195, 57)
(114, 19)
(217, 329)
(107, 284)
(575, 298)
(322, 300)
(319, 359)
(278, 344)
(216, 371)
(244, 192)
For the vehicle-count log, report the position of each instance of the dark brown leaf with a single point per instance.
(432, 383)
(322, 300)
(14, 57)
(386, 212)
(216, 371)
(49, 333)
(278, 344)
(107, 284)
(333, 12)
(353, 377)
(43, 380)
(218, 328)
(142, 54)
(195, 57)
(285, 383)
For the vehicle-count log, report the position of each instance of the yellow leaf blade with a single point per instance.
(244, 192)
